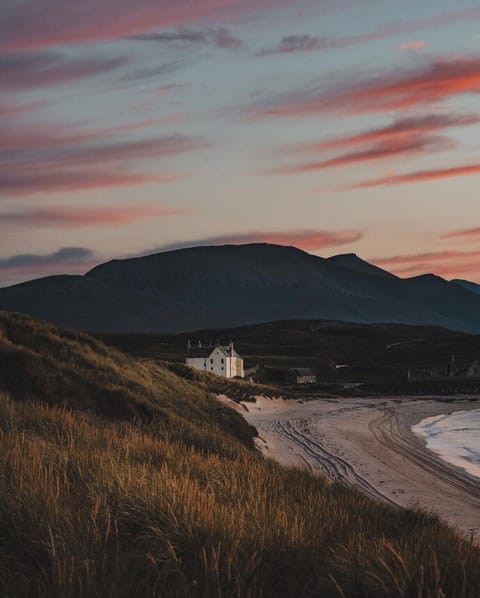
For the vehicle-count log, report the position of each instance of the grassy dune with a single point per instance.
(120, 479)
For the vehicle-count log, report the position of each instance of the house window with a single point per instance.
(223, 361)
(211, 360)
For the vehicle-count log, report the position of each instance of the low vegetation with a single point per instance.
(118, 478)
(235, 389)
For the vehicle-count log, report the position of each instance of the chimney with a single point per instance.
(231, 348)
(199, 344)
(189, 345)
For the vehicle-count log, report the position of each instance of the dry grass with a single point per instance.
(173, 505)
(237, 390)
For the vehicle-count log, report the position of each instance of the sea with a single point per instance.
(455, 438)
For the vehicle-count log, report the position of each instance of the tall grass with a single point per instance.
(177, 505)
(96, 508)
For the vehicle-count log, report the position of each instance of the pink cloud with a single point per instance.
(117, 151)
(15, 136)
(449, 263)
(52, 23)
(387, 148)
(420, 176)
(77, 217)
(309, 43)
(400, 128)
(471, 234)
(413, 46)
(11, 107)
(404, 137)
(421, 86)
(308, 240)
(44, 159)
(22, 72)
(26, 183)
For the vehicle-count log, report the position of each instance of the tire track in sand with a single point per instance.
(331, 465)
(387, 431)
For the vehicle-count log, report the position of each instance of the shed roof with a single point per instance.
(303, 372)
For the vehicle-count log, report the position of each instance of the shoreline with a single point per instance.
(367, 443)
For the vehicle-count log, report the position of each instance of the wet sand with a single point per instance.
(368, 444)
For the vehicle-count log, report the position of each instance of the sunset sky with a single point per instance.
(336, 126)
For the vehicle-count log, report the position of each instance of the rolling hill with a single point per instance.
(221, 287)
(374, 353)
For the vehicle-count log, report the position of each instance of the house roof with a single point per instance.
(200, 352)
(205, 352)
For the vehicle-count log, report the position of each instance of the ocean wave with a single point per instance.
(455, 438)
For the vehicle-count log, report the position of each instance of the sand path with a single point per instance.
(368, 444)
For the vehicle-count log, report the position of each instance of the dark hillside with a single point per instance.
(470, 286)
(378, 353)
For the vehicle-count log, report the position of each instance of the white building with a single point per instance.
(219, 360)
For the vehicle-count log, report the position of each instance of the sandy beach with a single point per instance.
(367, 443)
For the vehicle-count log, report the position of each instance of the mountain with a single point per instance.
(222, 287)
(353, 262)
(470, 286)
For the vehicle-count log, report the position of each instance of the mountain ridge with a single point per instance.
(234, 285)
(467, 284)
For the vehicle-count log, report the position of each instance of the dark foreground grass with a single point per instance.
(170, 501)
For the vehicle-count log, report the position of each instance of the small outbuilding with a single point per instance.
(302, 376)
(222, 360)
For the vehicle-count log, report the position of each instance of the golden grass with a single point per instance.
(174, 503)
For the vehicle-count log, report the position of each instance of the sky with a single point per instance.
(340, 126)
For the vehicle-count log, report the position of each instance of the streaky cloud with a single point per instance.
(399, 128)
(22, 183)
(421, 176)
(58, 162)
(63, 255)
(24, 72)
(292, 44)
(470, 234)
(82, 216)
(27, 26)
(308, 240)
(448, 263)
(405, 146)
(27, 265)
(395, 90)
(219, 37)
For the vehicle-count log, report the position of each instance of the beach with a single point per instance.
(368, 443)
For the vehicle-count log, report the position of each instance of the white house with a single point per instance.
(219, 360)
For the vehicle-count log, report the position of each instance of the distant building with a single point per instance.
(474, 370)
(451, 372)
(220, 360)
(302, 376)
